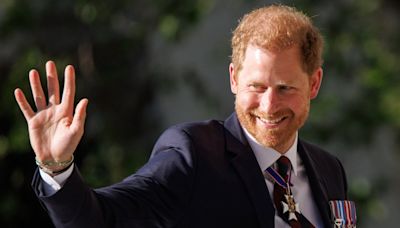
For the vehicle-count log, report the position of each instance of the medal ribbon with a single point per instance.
(344, 212)
(278, 178)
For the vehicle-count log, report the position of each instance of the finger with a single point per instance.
(78, 121)
(69, 89)
(37, 90)
(52, 83)
(23, 104)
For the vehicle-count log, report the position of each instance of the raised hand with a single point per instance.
(54, 129)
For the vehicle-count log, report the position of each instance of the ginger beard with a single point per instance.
(277, 130)
(273, 95)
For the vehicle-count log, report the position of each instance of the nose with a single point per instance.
(270, 101)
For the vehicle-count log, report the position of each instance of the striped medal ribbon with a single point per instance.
(290, 206)
(276, 177)
(343, 213)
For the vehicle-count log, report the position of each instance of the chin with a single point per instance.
(274, 141)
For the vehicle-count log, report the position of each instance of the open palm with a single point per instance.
(54, 129)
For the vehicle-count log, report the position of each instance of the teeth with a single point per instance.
(271, 121)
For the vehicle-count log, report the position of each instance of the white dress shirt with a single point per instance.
(301, 187)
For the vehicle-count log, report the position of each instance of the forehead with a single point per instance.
(268, 68)
(283, 61)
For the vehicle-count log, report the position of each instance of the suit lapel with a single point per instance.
(245, 163)
(317, 185)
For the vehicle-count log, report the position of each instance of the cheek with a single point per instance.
(300, 104)
(248, 101)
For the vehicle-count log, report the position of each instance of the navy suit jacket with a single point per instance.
(200, 174)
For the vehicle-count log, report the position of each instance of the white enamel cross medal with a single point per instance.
(291, 206)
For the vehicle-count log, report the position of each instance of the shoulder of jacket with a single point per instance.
(316, 150)
(199, 126)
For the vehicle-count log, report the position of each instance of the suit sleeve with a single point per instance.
(155, 196)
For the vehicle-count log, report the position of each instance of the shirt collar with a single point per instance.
(267, 156)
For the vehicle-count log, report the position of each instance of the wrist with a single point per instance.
(54, 168)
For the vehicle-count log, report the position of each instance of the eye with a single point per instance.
(284, 88)
(256, 87)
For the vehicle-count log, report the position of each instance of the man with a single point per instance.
(250, 170)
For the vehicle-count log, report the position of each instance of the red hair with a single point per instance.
(276, 28)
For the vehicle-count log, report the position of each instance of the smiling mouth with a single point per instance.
(272, 122)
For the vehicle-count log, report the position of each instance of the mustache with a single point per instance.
(275, 115)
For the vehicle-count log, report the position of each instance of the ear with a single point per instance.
(233, 78)
(315, 82)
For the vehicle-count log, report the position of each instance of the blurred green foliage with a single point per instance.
(358, 108)
(109, 43)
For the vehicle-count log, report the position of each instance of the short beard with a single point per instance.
(277, 139)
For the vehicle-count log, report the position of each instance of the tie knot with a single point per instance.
(283, 166)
